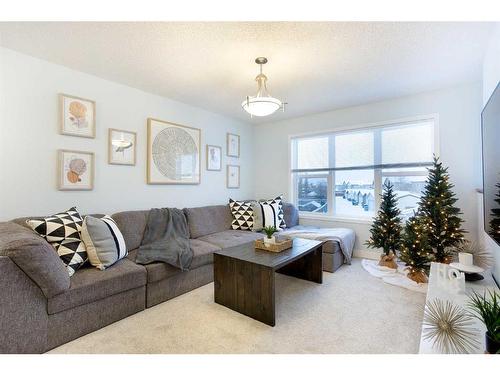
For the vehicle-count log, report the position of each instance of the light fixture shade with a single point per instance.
(261, 105)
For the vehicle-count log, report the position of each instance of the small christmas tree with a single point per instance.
(386, 227)
(439, 215)
(415, 250)
(495, 220)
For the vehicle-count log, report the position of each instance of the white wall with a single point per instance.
(491, 77)
(459, 133)
(30, 138)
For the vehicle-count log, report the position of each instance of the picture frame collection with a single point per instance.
(173, 150)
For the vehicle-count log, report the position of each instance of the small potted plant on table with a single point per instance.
(487, 310)
(269, 231)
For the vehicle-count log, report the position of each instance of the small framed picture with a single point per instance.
(77, 116)
(214, 158)
(76, 170)
(121, 147)
(233, 176)
(233, 145)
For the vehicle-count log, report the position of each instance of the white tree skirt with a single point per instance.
(391, 276)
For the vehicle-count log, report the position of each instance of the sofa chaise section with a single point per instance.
(332, 254)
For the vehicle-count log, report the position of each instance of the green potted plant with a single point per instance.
(269, 231)
(487, 310)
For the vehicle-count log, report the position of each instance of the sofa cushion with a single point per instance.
(202, 255)
(90, 285)
(35, 257)
(230, 238)
(207, 220)
(203, 252)
(132, 224)
(291, 215)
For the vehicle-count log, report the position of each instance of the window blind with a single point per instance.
(409, 145)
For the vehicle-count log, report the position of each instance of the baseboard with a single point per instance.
(367, 254)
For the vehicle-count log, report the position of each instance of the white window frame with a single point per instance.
(330, 215)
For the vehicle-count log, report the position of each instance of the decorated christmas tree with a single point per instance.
(439, 216)
(495, 218)
(415, 250)
(386, 227)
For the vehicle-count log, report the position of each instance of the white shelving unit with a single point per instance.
(435, 291)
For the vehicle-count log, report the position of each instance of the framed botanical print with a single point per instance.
(173, 153)
(121, 147)
(77, 116)
(233, 145)
(214, 158)
(76, 170)
(233, 176)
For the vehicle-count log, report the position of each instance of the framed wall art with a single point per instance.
(214, 158)
(121, 147)
(173, 153)
(76, 170)
(233, 145)
(77, 116)
(233, 176)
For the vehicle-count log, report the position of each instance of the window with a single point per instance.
(341, 173)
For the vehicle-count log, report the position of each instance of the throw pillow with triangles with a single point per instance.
(242, 215)
(62, 231)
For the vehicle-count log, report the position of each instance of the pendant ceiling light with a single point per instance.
(262, 104)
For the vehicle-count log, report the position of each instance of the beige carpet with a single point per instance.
(351, 312)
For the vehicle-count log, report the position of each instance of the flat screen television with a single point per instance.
(490, 128)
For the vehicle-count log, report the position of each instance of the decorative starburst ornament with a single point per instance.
(481, 256)
(450, 327)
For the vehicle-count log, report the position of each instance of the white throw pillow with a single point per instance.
(281, 215)
(104, 241)
(270, 215)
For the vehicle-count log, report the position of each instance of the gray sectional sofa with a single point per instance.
(41, 308)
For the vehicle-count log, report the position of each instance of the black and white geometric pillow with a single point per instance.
(281, 214)
(242, 215)
(62, 231)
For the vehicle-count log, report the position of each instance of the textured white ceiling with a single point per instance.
(314, 66)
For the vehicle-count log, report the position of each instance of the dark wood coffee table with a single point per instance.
(244, 276)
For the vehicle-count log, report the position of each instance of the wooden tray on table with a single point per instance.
(277, 247)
